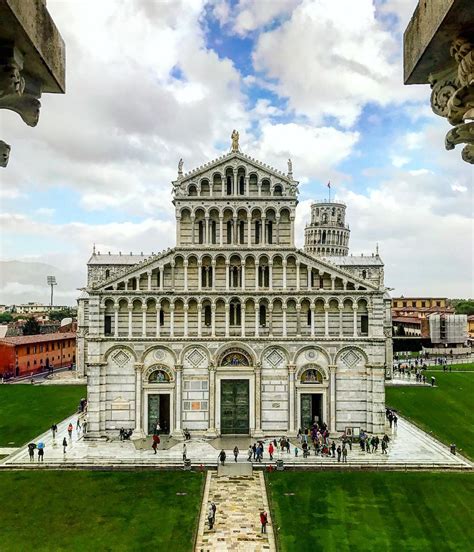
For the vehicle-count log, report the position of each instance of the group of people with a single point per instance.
(391, 417)
(40, 447)
(211, 518)
(371, 444)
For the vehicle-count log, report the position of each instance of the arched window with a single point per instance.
(241, 186)
(192, 191)
(162, 317)
(325, 218)
(257, 231)
(229, 231)
(235, 313)
(201, 231)
(213, 231)
(237, 357)
(229, 185)
(262, 312)
(309, 317)
(159, 376)
(323, 239)
(278, 191)
(270, 232)
(207, 315)
(333, 212)
(242, 231)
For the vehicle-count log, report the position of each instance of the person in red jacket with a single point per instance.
(263, 520)
(270, 450)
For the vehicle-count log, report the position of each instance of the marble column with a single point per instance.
(178, 230)
(227, 274)
(341, 325)
(249, 229)
(130, 309)
(116, 320)
(333, 283)
(312, 318)
(277, 230)
(199, 312)
(263, 231)
(227, 326)
(212, 401)
(270, 275)
(354, 308)
(298, 264)
(298, 320)
(172, 275)
(270, 320)
(284, 273)
(292, 229)
(193, 228)
(247, 186)
(139, 430)
(213, 274)
(283, 308)
(243, 275)
(149, 280)
(332, 400)
(177, 423)
(291, 397)
(221, 230)
(144, 309)
(326, 320)
(199, 274)
(161, 273)
(258, 401)
(185, 265)
(256, 319)
(242, 319)
(257, 267)
(213, 320)
(171, 320)
(186, 308)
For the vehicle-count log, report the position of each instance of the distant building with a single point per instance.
(29, 354)
(37, 308)
(419, 307)
(407, 326)
(449, 329)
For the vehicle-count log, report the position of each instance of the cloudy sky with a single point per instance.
(148, 82)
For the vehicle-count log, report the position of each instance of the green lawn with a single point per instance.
(446, 410)
(98, 511)
(28, 410)
(469, 367)
(372, 511)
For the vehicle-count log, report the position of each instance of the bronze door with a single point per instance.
(235, 406)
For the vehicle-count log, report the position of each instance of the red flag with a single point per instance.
(329, 184)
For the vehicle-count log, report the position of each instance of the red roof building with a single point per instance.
(28, 354)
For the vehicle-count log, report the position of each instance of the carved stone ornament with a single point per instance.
(4, 153)
(453, 97)
(235, 141)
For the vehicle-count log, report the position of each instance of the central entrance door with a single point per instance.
(159, 411)
(311, 409)
(235, 406)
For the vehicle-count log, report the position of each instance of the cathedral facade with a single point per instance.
(235, 330)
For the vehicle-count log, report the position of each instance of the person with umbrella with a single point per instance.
(31, 451)
(41, 451)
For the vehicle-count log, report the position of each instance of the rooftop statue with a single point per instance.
(235, 140)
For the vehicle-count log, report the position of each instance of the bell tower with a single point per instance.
(327, 234)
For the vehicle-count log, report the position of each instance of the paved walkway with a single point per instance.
(239, 500)
(409, 448)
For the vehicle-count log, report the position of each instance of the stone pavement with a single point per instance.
(239, 500)
(409, 448)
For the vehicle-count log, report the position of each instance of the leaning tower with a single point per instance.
(327, 234)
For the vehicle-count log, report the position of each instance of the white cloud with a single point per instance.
(332, 58)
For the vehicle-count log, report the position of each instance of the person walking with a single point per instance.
(210, 517)
(333, 449)
(84, 427)
(78, 424)
(184, 452)
(64, 445)
(339, 452)
(249, 459)
(156, 442)
(236, 453)
(31, 451)
(54, 429)
(270, 450)
(263, 521)
(69, 430)
(433, 381)
(254, 449)
(41, 451)
(222, 457)
(214, 509)
(344, 454)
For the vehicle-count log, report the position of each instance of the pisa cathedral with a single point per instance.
(235, 330)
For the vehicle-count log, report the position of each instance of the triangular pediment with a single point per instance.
(233, 159)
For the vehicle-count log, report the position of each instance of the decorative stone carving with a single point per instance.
(195, 357)
(180, 168)
(275, 358)
(120, 358)
(159, 354)
(4, 153)
(350, 358)
(452, 97)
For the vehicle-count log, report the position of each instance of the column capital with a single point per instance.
(178, 367)
(291, 368)
(144, 308)
(185, 262)
(138, 366)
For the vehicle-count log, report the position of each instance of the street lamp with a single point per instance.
(51, 282)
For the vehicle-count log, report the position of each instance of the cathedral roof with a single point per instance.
(98, 259)
(354, 260)
(241, 157)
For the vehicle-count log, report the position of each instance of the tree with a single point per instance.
(31, 327)
(6, 317)
(63, 313)
(465, 306)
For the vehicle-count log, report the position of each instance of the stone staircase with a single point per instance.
(239, 498)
